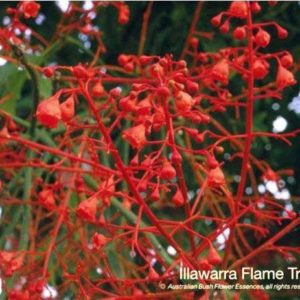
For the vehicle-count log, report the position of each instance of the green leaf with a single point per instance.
(114, 260)
(45, 87)
(11, 83)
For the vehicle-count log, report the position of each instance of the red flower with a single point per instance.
(255, 7)
(144, 106)
(184, 101)
(145, 59)
(270, 175)
(192, 86)
(284, 78)
(129, 67)
(213, 256)
(155, 196)
(262, 38)
(282, 33)
(67, 109)
(238, 9)
(239, 33)
(49, 71)
(124, 14)
(176, 157)
(287, 60)
(10, 261)
(48, 112)
(135, 136)
(99, 241)
(212, 163)
(204, 265)
(108, 188)
(215, 178)
(30, 9)
(167, 172)
(81, 72)
(220, 71)
(46, 199)
(216, 20)
(87, 209)
(98, 90)
(194, 42)
(178, 199)
(158, 120)
(123, 59)
(225, 27)
(260, 69)
(128, 104)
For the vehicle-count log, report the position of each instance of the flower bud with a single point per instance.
(124, 13)
(282, 33)
(216, 21)
(260, 69)
(238, 9)
(284, 78)
(30, 9)
(123, 59)
(213, 256)
(178, 199)
(46, 199)
(80, 72)
(128, 104)
(167, 172)
(262, 38)
(176, 157)
(163, 92)
(98, 90)
(155, 194)
(255, 7)
(87, 209)
(205, 265)
(48, 112)
(135, 136)
(225, 27)
(194, 42)
(48, 71)
(220, 71)
(239, 33)
(211, 162)
(144, 59)
(184, 101)
(68, 109)
(99, 241)
(287, 60)
(215, 178)
(192, 86)
(144, 106)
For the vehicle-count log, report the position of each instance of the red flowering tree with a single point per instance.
(120, 174)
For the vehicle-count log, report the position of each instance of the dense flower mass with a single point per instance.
(122, 163)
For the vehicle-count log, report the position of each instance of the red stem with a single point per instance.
(128, 180)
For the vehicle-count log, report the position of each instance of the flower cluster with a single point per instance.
(119, 176)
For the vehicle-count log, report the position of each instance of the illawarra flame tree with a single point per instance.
(117, 178)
